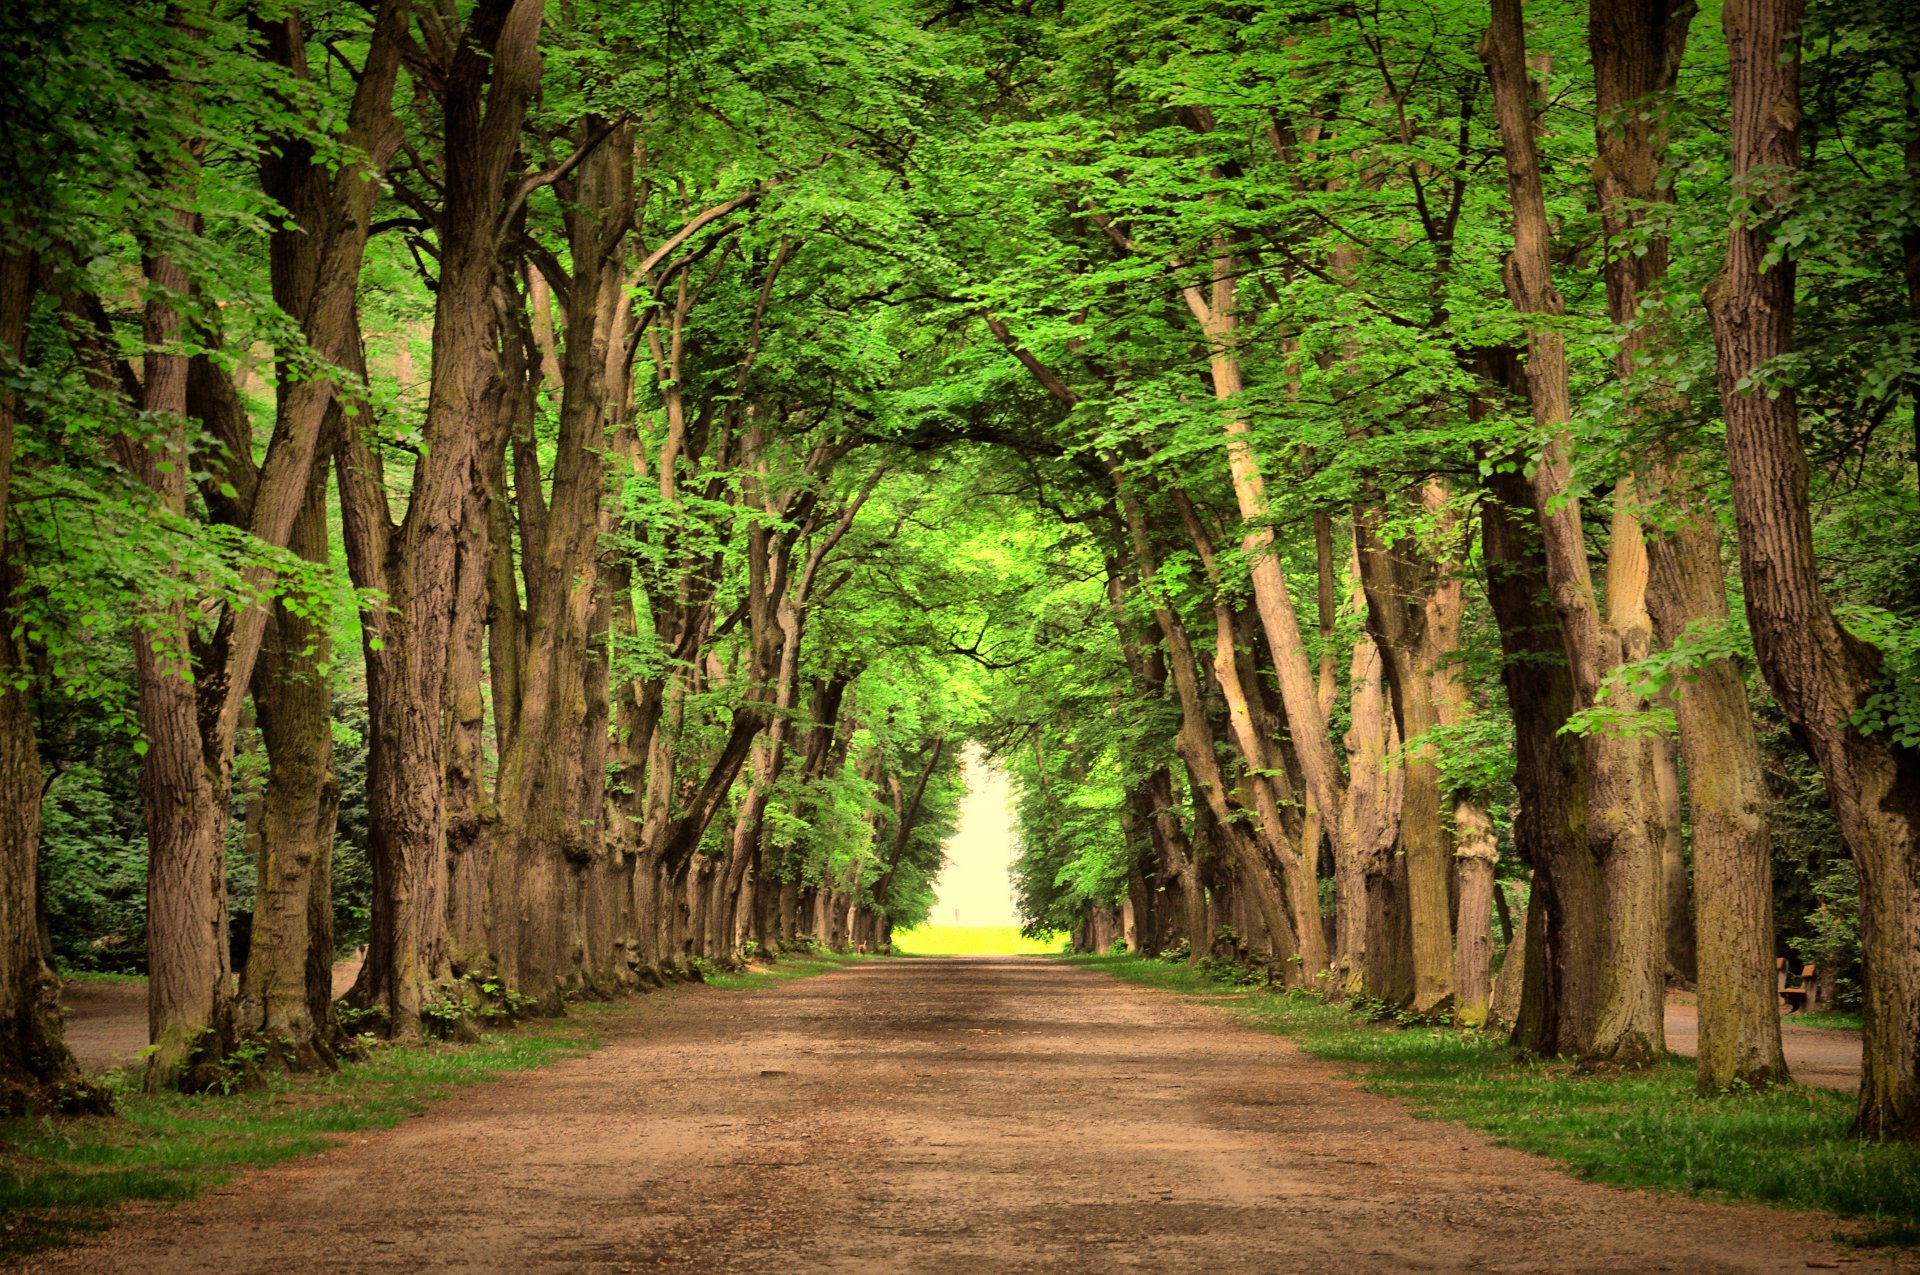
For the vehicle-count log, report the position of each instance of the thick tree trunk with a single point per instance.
(1732, 841)
(1819, 672)
(1621, 814)
(34, 1061)
(293, 702)
(1568, 913)
(492, 76)
(548, 793)
(470, 815)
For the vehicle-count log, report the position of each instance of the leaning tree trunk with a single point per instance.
(1821, 674)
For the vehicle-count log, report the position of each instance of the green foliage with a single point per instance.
(94, 869)
(1832, 937)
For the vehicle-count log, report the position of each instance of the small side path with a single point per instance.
(1815, 1055)
(955, 1116)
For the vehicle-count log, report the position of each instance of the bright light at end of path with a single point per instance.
(973, 912)
(976, 888)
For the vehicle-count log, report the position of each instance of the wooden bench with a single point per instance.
(1794, 998)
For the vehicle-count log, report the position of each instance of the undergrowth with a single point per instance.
(60, 1177)
(1787, 1146)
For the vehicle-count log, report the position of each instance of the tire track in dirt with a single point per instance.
(950, 1116)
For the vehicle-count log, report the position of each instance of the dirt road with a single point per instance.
(957, 1116)
(1815, 1055)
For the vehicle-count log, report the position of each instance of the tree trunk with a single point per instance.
(1677, 889)
(548, 794)
(1476, 854)
(1398, 584)
(1568, 910)
(1820, 673)
(493, 74)
(1732, 841)
(1621, 831)
(293, 702)
(34, 1060)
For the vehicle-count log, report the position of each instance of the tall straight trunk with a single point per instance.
(1637, 47)
(293, 703)
(34, 1059)
(1567, 914)
(1621, 815)
(1732, 839)
(489, 81)
(1399, 581)
(190, 716)
(183, 784)
(548, 794)
(1820, 673)
(1476, 852)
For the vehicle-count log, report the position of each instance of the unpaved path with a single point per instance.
(106, 1022)
(1815, 1055)
(955, 1116)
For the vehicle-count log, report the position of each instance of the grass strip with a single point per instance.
(61, 1177)
(1786, 1146)
(1832, 1021)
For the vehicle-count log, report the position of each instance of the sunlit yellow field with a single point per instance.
(972, 940)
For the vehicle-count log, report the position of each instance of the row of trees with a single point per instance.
(1293, 437)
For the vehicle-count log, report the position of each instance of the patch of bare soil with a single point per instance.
(106, 1023)
(1815, 1055)
(952, 1116)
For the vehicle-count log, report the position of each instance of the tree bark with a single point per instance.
(1621, 832)
(490, 77)
(34, 1061)
(1567, 915)
(1820, 673)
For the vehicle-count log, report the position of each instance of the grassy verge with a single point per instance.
(62, 1177)
(790, 967)
(1786, 1146)
(1833, 1022)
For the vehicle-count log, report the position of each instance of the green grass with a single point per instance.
(785, 970)
(972, 940)
(1833, 1021)
(61, 1177)
(1787, 1146)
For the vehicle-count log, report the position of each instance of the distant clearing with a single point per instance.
(972, 940)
